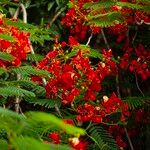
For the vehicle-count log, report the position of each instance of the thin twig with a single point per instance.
(117, 82)
(105, 39)
(18, 100)
(89, 39)
(137, 84)
(129, 140)
(135, 35)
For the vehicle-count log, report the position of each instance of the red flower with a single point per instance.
(89, 95)
(52, 54)
(72, 41)
(78, 144)
(69, 121)
(66, 80)
(55, 137)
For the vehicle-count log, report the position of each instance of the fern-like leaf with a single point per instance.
(5, 56)
(35, 57)
(29, 70)
(3, 144)
(47, 103)
(103, 140)
(136, 102)
(28, 143)
(6, 37)
(15, 91)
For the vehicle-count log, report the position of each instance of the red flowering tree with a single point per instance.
(93, 74)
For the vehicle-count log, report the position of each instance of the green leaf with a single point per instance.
(5, 56)
(70, 4)
(47, 103)
(34, 57)
(4, 113)
(129, 5)
(28, 143)
(15, 91)
(101, 4)
(3, 144)
(51, 119)
(102, 138)
(95, 54)
(136, 102)
(6, 37)
(29, 70)
(50, 5)
(20, 24)
(2, 70)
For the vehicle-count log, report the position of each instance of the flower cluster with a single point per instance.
(75, 19)
(18, 47)
(139, 63)
(88, 112)
(76, 76)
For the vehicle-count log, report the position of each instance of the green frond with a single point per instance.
(49, 119)
(6, 37)
(3, 144)
(129, 5)
(15, 91)
(47, 103)
(103, 22)
(101, 4)
(8, 2)
(136, 102)
(29, 70)
(109, 19)
(2, 70)
(35, 57)
(103, 140)
(28, 143)
(90, 52)
(5, 56)
(4, 113)
(19, 24)
(3, 101)
(95, 54)
(27, 85)
(38, 35)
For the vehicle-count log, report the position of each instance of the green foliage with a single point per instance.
(2, 70)
(34, 57)
(6, 91)
(3, 144)
(27, 143)
(6, 37)
(136, 102)
(102, 139)
(47, 103)
(38, 117)
(29, 70)
(5, 56)
(37, 34)
(23, 137)
(109, 18)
